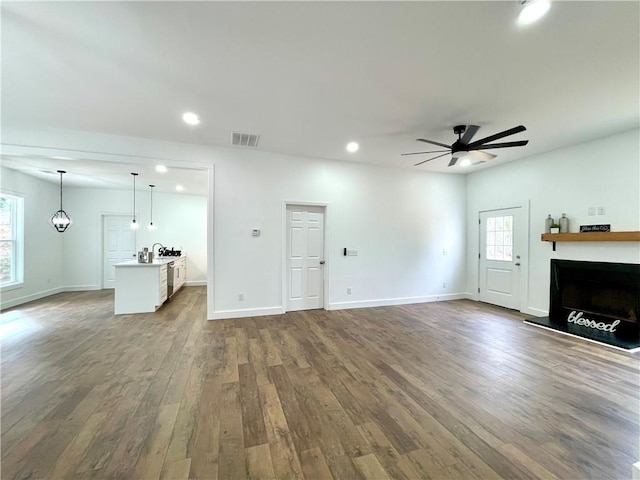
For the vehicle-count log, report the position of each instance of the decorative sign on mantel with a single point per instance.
(595, 228)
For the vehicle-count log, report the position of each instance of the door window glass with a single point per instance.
(499, 236)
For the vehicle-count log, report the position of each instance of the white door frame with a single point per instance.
(326, 246)
(525, 256)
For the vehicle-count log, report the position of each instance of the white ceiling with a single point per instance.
(311, 76)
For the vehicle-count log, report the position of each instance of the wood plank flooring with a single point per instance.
(449, 390)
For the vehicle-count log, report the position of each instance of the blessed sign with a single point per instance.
(578, 319)
(595, 228)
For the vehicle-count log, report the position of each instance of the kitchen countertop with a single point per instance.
(156, 262)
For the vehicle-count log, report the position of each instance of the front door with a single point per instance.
(502, 238)
(119, 246)
(305, 257)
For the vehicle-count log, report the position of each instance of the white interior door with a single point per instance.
(119, 245)
(305, 257)
(502, 240)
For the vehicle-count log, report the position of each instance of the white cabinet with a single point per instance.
(143, 287)
(179, 273)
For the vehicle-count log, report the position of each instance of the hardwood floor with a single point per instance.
(441, 390)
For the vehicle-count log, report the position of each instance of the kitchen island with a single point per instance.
(144, 287)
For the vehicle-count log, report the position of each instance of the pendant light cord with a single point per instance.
(60, 190)
(134, 196)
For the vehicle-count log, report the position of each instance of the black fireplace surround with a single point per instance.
(596, 300)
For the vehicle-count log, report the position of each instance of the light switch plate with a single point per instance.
(255, 232)
(591, 211)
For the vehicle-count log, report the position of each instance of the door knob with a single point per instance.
(321, 262)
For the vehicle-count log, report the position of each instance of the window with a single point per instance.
(500, 238)
(11, 228)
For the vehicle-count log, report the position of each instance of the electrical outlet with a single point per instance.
(601, 210)
(241, 297)
(348, 290)
(591, 211)
(444, 284)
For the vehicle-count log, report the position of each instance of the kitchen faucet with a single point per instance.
(154, 246)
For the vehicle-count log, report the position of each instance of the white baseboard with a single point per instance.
(249, 312)
(29, 298)
(535, 312)
(196, 283)
(395, 301)
(81, 288)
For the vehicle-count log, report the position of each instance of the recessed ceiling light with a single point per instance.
(161, 169)
(179, 188)
(191, 118)
(465, 162)
(533, 10)
(352, 147)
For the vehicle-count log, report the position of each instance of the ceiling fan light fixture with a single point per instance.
(353, 147)
(465, 162)
(533, 10)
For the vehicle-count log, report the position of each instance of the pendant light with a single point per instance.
(151, 225)
(134, 225)
(61, 220)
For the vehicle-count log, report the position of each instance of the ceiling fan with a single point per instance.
(464, 147)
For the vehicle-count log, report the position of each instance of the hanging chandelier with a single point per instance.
(134, 225)
(61, 220)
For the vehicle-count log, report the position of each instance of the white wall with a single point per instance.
(399, 221)
(43, 262)
(604, 172)
(180, 218)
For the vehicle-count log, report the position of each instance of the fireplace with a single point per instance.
(595, 300)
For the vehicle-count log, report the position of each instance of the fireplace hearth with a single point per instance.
(595, 300)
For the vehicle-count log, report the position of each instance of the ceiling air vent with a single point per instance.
(244, 139)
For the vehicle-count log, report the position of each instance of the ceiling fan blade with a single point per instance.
(491, 138)
(428, 160)
(433, 143)
(484, 156)
(420, 153)
(455, 156)
(519, 143)
(469, 133)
